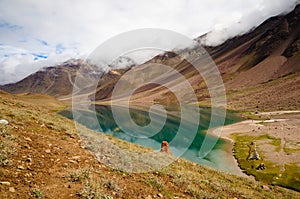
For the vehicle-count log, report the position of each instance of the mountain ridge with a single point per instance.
(256, 59)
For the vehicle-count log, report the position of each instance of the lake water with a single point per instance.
(216, 157)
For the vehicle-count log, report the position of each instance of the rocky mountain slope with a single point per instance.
(269, 52)
(260, 70)
(55, 80)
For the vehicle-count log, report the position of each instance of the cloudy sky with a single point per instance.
(35, 33)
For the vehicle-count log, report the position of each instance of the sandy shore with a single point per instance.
(283, 125)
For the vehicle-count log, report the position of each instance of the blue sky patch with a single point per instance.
(9, 26)
(43, 42)
(39, 56)
(59, 48)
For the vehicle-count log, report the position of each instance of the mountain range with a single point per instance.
(260, 70)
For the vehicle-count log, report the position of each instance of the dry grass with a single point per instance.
(59, 175)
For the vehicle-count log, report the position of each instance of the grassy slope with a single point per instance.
(41, 156)
(288, 177)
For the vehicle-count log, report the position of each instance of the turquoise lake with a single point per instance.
(107, 124)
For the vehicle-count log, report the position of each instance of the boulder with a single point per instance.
(165, 148)
(254, 155)
(3, 121)
(261, 167)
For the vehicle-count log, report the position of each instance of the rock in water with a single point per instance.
(165, 148)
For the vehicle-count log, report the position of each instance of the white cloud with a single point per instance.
(70, 28)
(240, 22)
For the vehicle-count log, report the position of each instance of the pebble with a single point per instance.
(72, 161)
(5, 183)
(48, 151)
(20, 167)
(11, 189)
(2, 121)
(76, 157)
(28, 139)
(265, 187)
(160, 195)
(148, 197)
(29, 168)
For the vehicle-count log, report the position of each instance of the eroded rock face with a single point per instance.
(165, 148)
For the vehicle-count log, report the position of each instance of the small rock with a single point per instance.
(30, 169)
(28, 139)
(72, 161)
(149, 197)
(3, 121)
(20, 167)
(48, 151)
(11, 189)
(5, 183)
(28, 160)
(76, 157)
(160, 195)
(261, 167)
(265, 187)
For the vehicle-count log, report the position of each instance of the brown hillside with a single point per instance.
(42, 157)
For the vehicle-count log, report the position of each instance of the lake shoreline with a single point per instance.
(248, 126)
